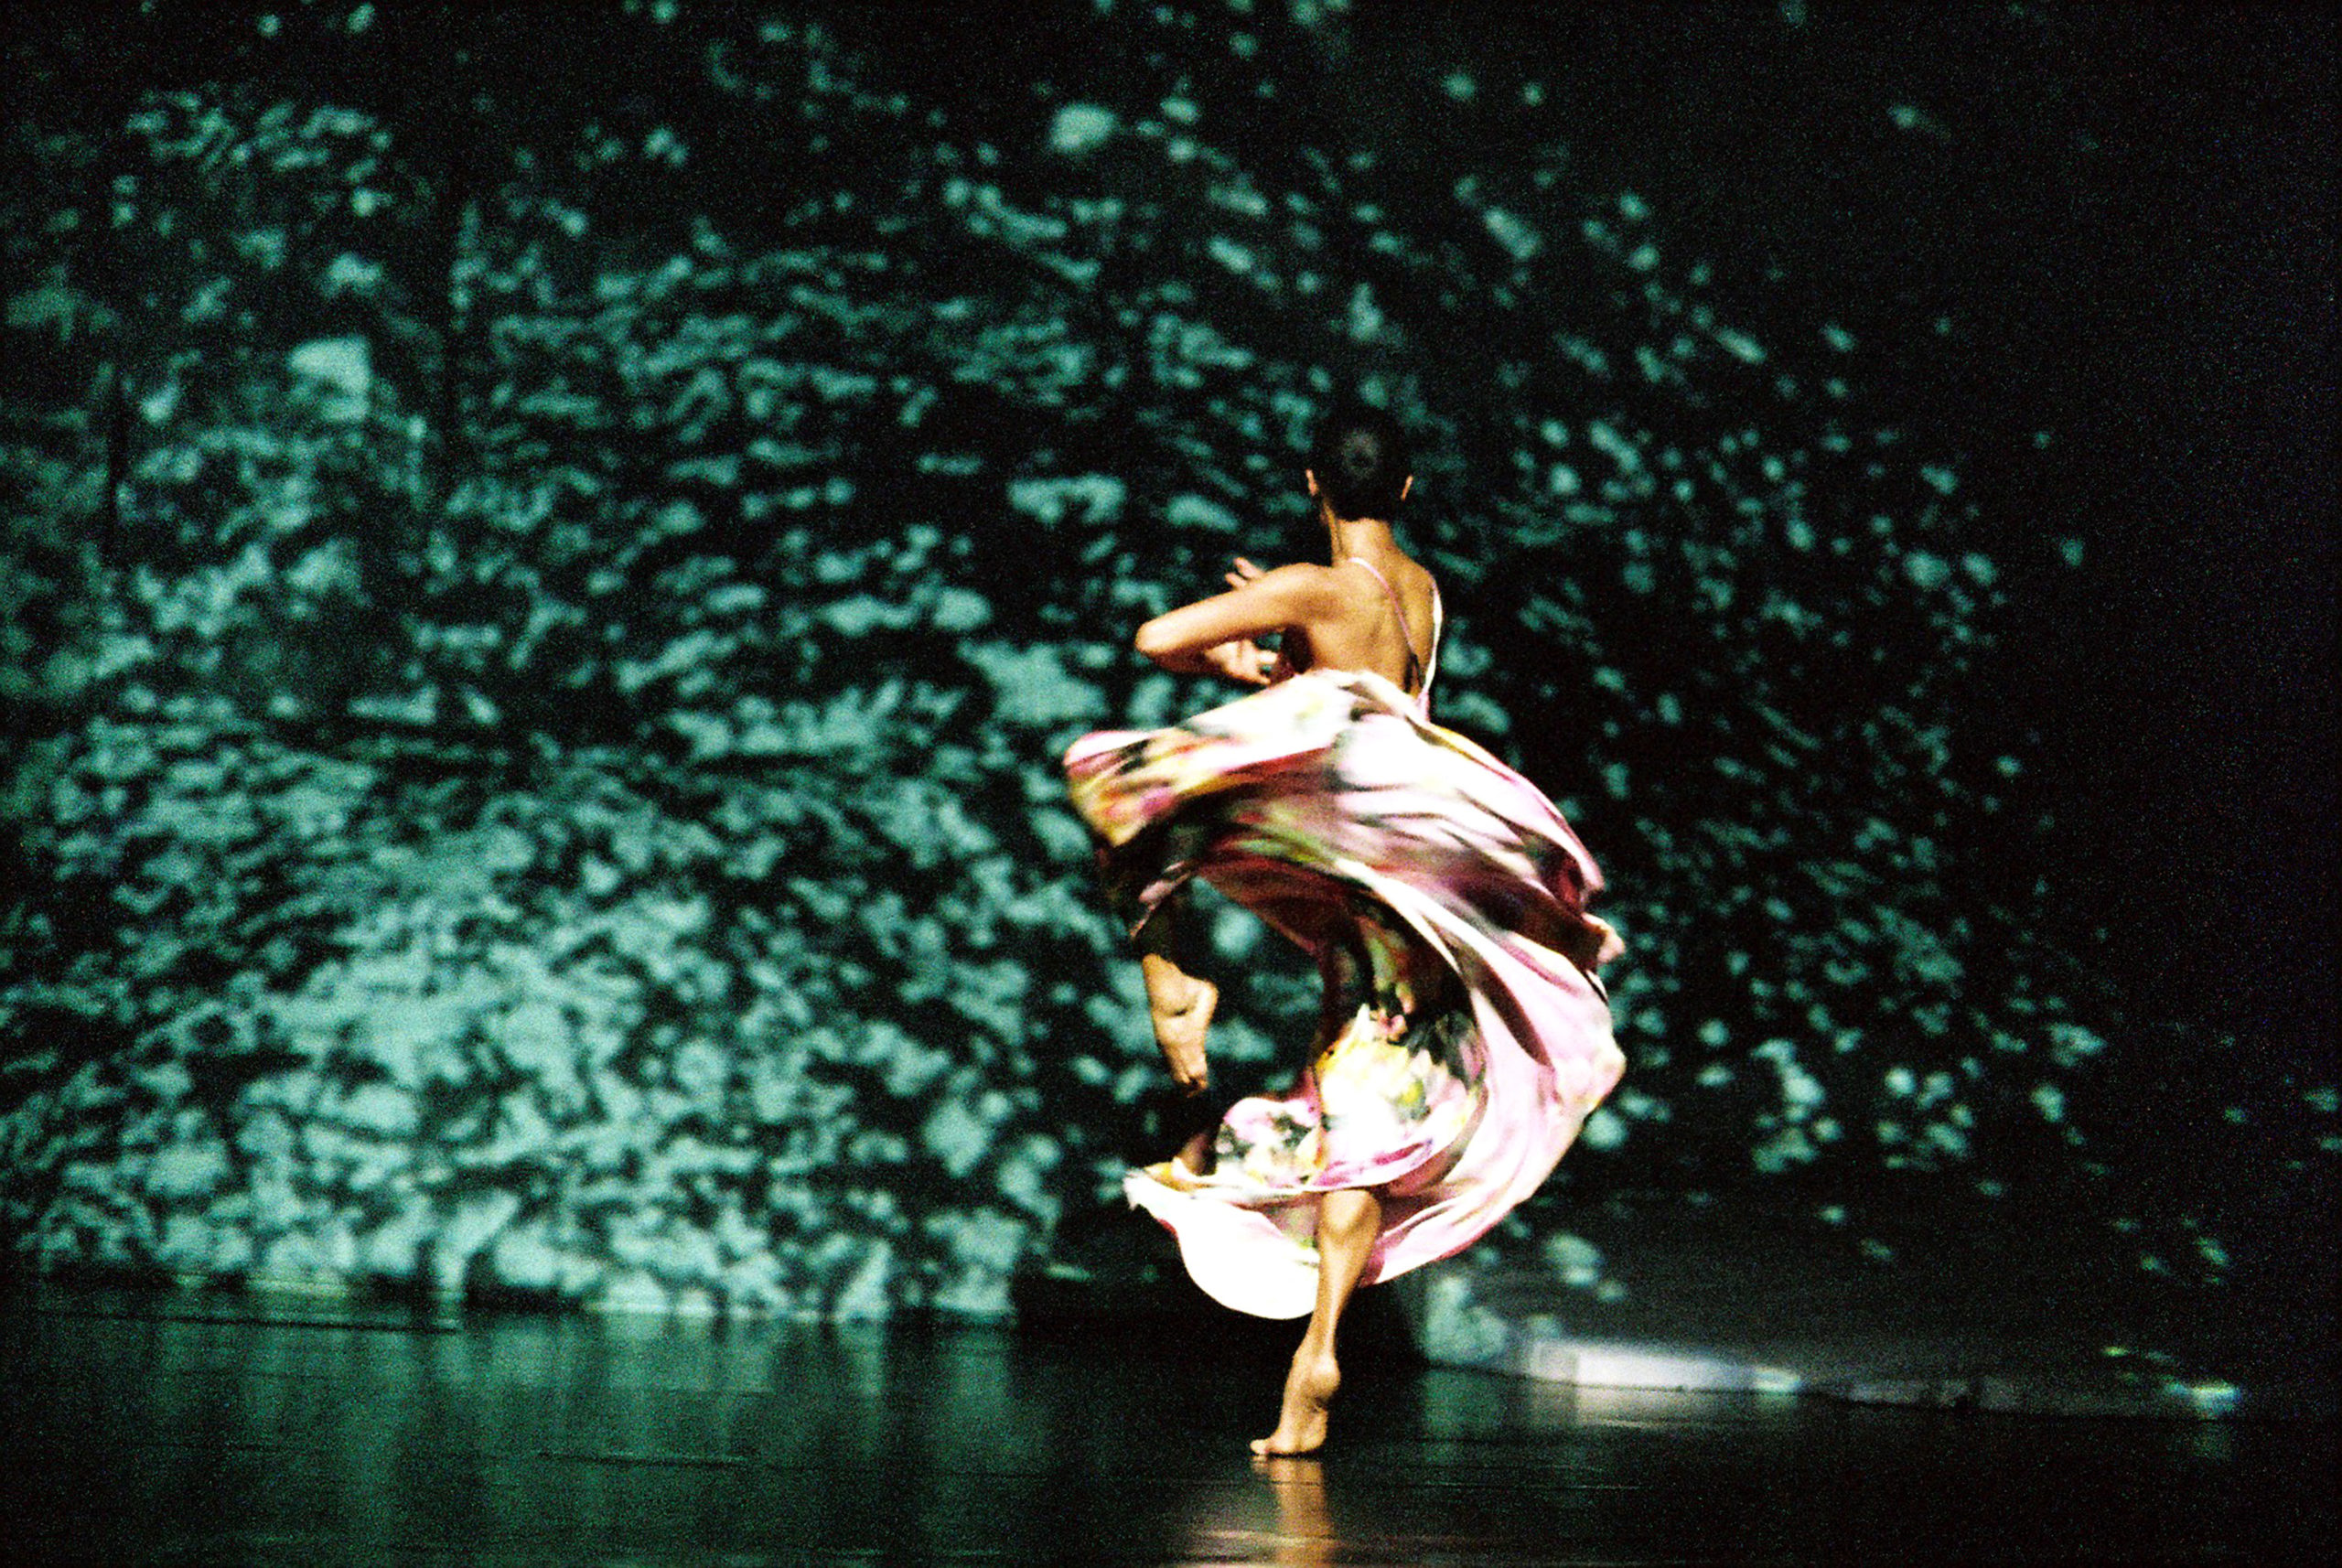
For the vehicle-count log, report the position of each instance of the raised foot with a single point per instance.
(1309, 1387)
(1180, 1006)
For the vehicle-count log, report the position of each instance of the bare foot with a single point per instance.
(1180, 1006)
(1309, 1387)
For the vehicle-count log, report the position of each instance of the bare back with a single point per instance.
(1382, 619)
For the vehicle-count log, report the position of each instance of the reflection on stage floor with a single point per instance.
(196, 1429)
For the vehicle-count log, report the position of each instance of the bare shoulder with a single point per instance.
(1413, 583)
(1416, 577)
(1304, 587)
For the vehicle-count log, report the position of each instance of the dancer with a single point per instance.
(1464, 1037)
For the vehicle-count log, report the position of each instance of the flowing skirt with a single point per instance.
(1464, 1038)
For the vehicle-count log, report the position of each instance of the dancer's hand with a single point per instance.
(1612, 946)
(1243, 662)
(1242, 573)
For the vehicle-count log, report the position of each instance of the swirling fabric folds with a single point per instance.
(1464, 1038)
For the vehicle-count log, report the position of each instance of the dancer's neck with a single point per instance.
(1366, 536)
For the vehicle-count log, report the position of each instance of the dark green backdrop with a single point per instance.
(551, 555)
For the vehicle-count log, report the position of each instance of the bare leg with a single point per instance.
(1179, 1004)
(1348, 1221)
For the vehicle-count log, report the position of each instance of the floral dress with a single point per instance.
(1464, 1038)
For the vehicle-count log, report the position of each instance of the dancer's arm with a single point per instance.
(1189, 640)
(1244, 662)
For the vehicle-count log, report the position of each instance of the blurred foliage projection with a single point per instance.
(549, 576)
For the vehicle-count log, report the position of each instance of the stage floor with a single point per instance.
(213, 1429)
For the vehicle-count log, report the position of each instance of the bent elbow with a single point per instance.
(1150, 641)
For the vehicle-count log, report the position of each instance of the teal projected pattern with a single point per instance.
(547, 608)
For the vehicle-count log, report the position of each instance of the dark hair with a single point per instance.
(1360, 461)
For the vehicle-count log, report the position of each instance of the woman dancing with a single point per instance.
(1464, 1037)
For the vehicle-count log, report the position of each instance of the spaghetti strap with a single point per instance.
(1431, 670)
(1419, 688)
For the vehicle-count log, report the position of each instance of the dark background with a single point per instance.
(591, 527)
(2126, 217)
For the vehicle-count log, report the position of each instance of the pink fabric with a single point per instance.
(1442, 895)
